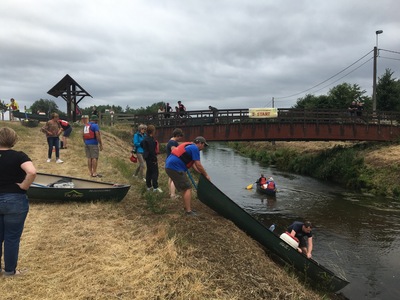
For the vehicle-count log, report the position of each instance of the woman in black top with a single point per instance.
(16, 175)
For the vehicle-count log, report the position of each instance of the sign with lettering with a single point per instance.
(261, 113)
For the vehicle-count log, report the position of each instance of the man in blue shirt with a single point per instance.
(183, 157)
(93, 143)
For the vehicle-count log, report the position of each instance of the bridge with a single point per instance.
(286, 125)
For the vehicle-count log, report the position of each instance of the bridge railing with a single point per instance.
(231, 116)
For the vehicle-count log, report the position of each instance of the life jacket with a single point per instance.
(270, 185)
(88, 133)
(180, 152)
(263, 180)
(64, 124)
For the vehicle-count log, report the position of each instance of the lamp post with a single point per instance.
(375, 70)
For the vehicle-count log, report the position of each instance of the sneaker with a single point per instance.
(16, 273)
(48, 160)
(191, 213)
(144, 179)
(59, 161)
(157, 190)
(148, 189)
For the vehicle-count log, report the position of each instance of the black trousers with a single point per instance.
(152, 174)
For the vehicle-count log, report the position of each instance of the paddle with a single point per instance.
(39, 185)
(191, 179)
(250, 186)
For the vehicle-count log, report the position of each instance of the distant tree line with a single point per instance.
(341, 96)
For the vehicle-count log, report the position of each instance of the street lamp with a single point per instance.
(377, 33)
(375, 69)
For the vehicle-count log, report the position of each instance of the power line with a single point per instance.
(345, 75)
(302, 92)
(391, 51)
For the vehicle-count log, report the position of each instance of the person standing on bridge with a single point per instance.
(352, 108)
(168, 110)
(215, 113)
(181, 109)
(181, 159)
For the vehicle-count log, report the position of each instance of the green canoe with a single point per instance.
(320, 276)
(27, 116)
(57, 188)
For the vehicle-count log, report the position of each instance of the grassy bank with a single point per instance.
(367, 167)
(143, 247)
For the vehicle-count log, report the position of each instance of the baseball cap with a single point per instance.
(200, 139)
(94, 117)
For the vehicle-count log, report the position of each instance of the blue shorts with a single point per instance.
(67, 132)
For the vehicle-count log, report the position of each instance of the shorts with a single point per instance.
(180, 179)
(67, 132)
(92, 151)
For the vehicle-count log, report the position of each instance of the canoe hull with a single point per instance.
(210, 195)
(83, 190)
(30, 123)
(265, 191)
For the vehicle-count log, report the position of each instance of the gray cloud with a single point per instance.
(229, 54)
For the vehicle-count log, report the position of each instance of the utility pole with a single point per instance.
(375, 71)
(374, 81)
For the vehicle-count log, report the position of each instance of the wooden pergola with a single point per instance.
(71, 92)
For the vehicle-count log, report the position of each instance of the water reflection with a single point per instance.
(355, 235)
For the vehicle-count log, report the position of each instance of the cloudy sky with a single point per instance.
(225, 53)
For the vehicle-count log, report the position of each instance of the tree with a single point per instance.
(388, 92)
(339, 97)
(46, 106)
(343, 94)
(308, 102)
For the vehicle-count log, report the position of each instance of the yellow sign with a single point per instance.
(261, 113)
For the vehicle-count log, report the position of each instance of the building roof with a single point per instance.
(65, 84)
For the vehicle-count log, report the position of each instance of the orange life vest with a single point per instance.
(180, 152)
(263, 180)
(271, 185)
(88, 133)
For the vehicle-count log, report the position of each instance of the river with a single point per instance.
(357, 236)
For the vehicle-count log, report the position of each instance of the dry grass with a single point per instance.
(124, 251)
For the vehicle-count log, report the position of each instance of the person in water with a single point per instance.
(303, 232)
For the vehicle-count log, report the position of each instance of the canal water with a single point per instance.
(356, 236)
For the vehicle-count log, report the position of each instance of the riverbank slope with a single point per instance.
(143, 247)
